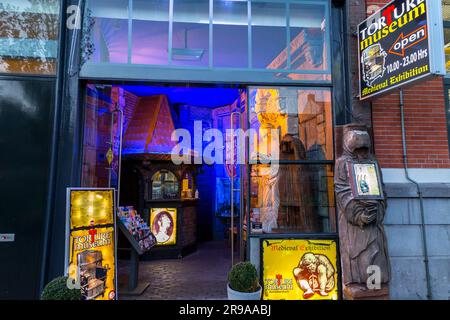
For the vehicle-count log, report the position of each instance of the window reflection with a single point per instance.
(446, 17)
(292, 198)
(190, 39)
(150, 31)
(307, 34)
(29, 36)
(164, 185)
(271, 35)
(268, 35)
(230, 18)
(109, 30)
(291, 113)
(447, 49)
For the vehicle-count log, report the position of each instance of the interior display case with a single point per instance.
(167, 197)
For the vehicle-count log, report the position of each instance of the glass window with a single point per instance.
(446, 10)
(190, 39)
(291, 160)
(447, 109)
(164, 185)
(150, 31)
(291, 124)
(230, 34)
(447, 48)
(29, 36)
(446, 17)
(100, 138)
(292, 47)
(292, 198)
(268, 35)
(307, 36)
(108, 30)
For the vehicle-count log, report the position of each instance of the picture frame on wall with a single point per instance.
(365, 180)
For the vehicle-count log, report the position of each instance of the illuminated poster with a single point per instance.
(163, 222)
(91, 252)
(296, 269)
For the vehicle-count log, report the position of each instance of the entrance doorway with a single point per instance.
(168, 151)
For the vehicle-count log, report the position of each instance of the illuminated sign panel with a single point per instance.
(91, 253)
(163, 222)
(399, 44)
(296, 269)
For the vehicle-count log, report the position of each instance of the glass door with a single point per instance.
(102, 144)
(235, 161)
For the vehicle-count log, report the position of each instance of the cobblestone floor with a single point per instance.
(201, 275)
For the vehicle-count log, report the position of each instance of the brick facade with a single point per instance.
(425, 121)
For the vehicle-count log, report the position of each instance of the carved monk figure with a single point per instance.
(361, 232)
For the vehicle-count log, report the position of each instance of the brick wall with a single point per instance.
(425, 121)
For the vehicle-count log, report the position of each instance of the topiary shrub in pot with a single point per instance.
(57, 290)
(243, 282)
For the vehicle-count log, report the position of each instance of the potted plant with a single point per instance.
(243, 282)
(57, 290)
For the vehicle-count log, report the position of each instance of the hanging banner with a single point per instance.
(401, 43)
(295, 269)
(91, 242)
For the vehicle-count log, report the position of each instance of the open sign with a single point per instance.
(410, 40)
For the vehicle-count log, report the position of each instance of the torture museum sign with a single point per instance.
(399, 44)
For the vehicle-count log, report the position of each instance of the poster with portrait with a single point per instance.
(163, 222)
(91, 243)
(365, 180)
(299, 269)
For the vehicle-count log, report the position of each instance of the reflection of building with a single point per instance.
(307, 51)
(299, 121)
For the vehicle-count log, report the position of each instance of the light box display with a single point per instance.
(297, 269)
(91, 247)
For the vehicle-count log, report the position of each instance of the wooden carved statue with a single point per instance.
(361, 232)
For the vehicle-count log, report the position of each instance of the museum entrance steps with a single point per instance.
(201, 275)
